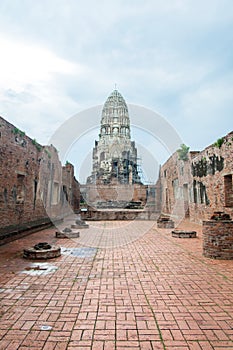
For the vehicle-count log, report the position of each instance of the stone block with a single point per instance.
(67, 234)
(78, 227)
(218, 239)
(184, 234)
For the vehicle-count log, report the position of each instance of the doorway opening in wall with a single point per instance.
(35, 192)
(167, 200)
(228, 190)
(195, 191)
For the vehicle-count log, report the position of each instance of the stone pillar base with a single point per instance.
(161, 223)
(67, 235)
(218, 239)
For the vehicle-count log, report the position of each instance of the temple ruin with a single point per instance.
(115, 181)
(115, 155)
(36, 190)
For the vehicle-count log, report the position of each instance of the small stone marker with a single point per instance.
(67, 233)
(165, 222)
(79, 224)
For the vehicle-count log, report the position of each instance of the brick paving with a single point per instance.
(155, 292)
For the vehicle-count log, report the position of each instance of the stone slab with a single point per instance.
(67, 234)
(184, 234)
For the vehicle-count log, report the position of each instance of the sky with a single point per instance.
(61, 57)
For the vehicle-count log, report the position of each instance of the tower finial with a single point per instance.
(115, 86)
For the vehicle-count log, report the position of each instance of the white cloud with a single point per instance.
(206, 112)
(166, 55)
(212, 98)
(31, 95)
(22, 65)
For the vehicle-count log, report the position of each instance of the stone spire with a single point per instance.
(115, 117)
(114, 155)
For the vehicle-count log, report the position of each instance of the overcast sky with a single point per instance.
(60, 57)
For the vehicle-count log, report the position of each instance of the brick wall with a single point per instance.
(197, 187)
(114, 192)
(71, 187)
(218, 239)
(31, 182)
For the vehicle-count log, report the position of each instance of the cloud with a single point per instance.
(208, 111)
(22, 64)
(61, 57)
(30, 89)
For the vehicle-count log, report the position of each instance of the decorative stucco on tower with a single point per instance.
(115, 155)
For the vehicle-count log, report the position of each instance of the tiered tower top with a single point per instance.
(114, 155)
(115, 117)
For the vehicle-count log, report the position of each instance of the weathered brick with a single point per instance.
(34, 186)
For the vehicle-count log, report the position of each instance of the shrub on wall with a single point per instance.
(183, 152)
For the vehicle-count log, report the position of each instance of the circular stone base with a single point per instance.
(32, 253)
(184, 234)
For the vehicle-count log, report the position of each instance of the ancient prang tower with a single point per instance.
(114, 155)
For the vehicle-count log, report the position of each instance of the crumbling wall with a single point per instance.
(30, 182)
(70, 187)
(200, 185)
(212, 173)
(114, 192)
(174, 184)
(20, 159)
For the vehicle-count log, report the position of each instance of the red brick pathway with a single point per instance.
(157, 292)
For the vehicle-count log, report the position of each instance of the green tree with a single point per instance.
(183, 152)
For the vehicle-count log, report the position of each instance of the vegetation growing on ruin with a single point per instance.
(219, 142)
(48, 153)
(183, 152)
(17, 131)
(38, 146)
